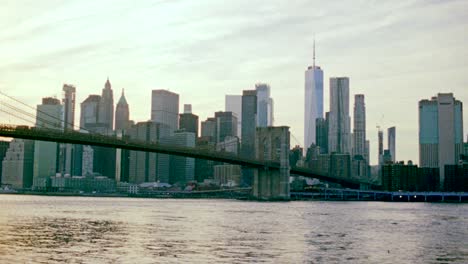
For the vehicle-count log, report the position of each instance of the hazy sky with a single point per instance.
(395, 52)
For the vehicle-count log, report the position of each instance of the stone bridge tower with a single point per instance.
(272, 144)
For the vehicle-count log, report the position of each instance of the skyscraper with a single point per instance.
(103, 159)
(69, 93)
(233, 103)
(339, 138)
(249, 124)
(226, 125)
(208, 130)
(380, 151)
(66, 150)
(313, 101)
(359, 129)
(188, 121)
(264, 105)
(165, 108)
(143, 166)
(175, 169)
(106, 107)
(122, 114)
(89, 112)
(321, 133)
(17, 166)
(391, 144)
(440, 132)
(49, 115)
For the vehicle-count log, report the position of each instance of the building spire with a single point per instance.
(314, 51)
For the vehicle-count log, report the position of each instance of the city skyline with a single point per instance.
(392, 69)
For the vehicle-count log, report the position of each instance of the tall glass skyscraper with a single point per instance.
(249, 125)
(440, 132)
(49, 115)
(391, 131)
(339, 131)
(313, 102)
(264, 105)
(359, 130)
(165, 108)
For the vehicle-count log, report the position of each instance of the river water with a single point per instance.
(41, 229)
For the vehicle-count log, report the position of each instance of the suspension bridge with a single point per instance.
(26, 129)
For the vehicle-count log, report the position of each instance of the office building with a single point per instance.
(313, 101)
(208, 129)
(122, 114)
(339, 131)
(380, 150)
(359, 129)
(229, 144)
(398, 176)
(17, 165)
(321, 133)
(48, 115)
(391, 144)
(188, 121)
(456, 178)
(176, 169)
(66, 150)
(3, 149)
(165, 108)
(226, 125)
(233, 103)
(249, 124)
(440, 132)
(264, 105)
(106, 107)
(143, 166)
(227, 175)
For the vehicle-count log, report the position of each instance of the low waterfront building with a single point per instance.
(227, 174)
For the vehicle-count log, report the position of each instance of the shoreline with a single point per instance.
(226, 197)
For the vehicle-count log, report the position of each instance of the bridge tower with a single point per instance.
(272, 144)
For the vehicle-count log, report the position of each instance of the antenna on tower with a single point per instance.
(314, 50)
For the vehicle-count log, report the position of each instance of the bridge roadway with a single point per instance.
(74, 137)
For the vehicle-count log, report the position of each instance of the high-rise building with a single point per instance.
(143, 166)
(66, 150)
(313, 101)
(165, 108)
(380, 146)
(49, 115)
(440, 132)
(103, 159)
(188, 121)
(359, 130)
(321, 134)
(466, 146)
(249, 124)
(3, 149)
(17, 166)
(233, 103)
(69, 93)
(89, 112)
(176, 169)
(367, 155)
(391, 144)
(122, 114)
(339, 138)
(208, 129)
(106, 107)
(264, 105)
(226, 125)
